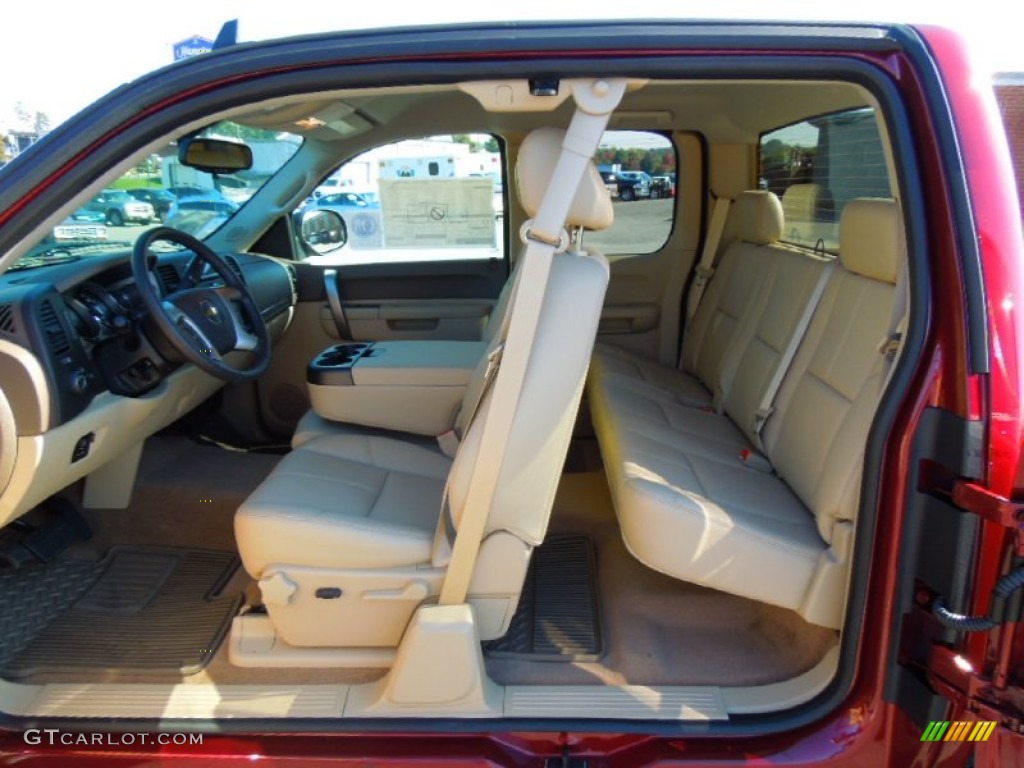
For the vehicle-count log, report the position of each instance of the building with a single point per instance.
(1010, 95)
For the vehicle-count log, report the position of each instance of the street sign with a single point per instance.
(193, 46)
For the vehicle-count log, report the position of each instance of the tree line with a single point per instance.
(656, 162)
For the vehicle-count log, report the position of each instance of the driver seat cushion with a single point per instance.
(345, 500)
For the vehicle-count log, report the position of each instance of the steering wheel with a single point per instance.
(204, 324)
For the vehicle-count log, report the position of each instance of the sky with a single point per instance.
(57, 60)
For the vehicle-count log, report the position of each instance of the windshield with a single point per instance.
(161, 190)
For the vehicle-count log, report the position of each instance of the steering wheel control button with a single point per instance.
(82, 447)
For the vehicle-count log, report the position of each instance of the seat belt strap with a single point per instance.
(442, 551)
(767, 406)
(595, 100)
(706, 266)
(450, 440)
(898, 319)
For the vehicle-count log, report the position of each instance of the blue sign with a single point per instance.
(194, 46)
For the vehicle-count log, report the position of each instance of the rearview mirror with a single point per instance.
(214, 155)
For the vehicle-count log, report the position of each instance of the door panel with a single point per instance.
(451, 319)
(629, 318)
(641, 308)
(643, 304)
(449, 300)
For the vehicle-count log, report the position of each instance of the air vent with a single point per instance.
(56, 337)
(6, 318)
(169, 278)
(294, 277)
(235, 267)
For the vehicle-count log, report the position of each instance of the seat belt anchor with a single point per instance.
(890, 346)
(702, 274)
(760, 418)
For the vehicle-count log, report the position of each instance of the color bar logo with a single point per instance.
(943, 730)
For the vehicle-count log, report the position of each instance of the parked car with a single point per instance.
(120, 208)
(342, 202)
(83, 224)
(191, 191)
(748, 496)
(199, 214)
(160, 199)
(328, 186)
(611, 183)
(662, 186)
(633, 185)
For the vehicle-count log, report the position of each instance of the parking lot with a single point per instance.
(641, 226)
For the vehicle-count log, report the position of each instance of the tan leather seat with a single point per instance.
(688, 504)
(755, 221)
(808, 210)
(341, 535)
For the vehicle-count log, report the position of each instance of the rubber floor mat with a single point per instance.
(558, 617)
(147, 611)
(34, 595)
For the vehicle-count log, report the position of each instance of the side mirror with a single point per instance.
(214, 155)
(323, 230)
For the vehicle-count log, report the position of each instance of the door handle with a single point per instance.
(334, 300)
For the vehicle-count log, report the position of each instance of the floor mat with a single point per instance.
(147, 611)
(557, 618)
(34, 595)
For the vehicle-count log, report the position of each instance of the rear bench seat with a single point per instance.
(755, 220)
(694, 498)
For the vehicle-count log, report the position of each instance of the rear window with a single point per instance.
(639, 172)
(818, 165)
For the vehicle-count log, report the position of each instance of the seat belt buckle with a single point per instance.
(448, 442)
(755, 460)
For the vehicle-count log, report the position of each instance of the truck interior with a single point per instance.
(608, 468)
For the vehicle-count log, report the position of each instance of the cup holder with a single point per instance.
(333, 366)
(340, 356)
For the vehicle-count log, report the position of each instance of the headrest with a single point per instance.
(591, 207)
(869, 238)
(800, 202)
(756, 217)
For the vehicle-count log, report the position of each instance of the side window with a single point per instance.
(818, 165)
(430, 199)
(639, 171)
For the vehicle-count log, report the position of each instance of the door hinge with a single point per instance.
(970, 691)
(565, 760)
(992, 507)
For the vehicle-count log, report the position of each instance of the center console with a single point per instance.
(407, 386)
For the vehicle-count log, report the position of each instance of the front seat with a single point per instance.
(341, 535)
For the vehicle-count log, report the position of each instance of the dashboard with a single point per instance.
(85, 324)
(87, 375)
